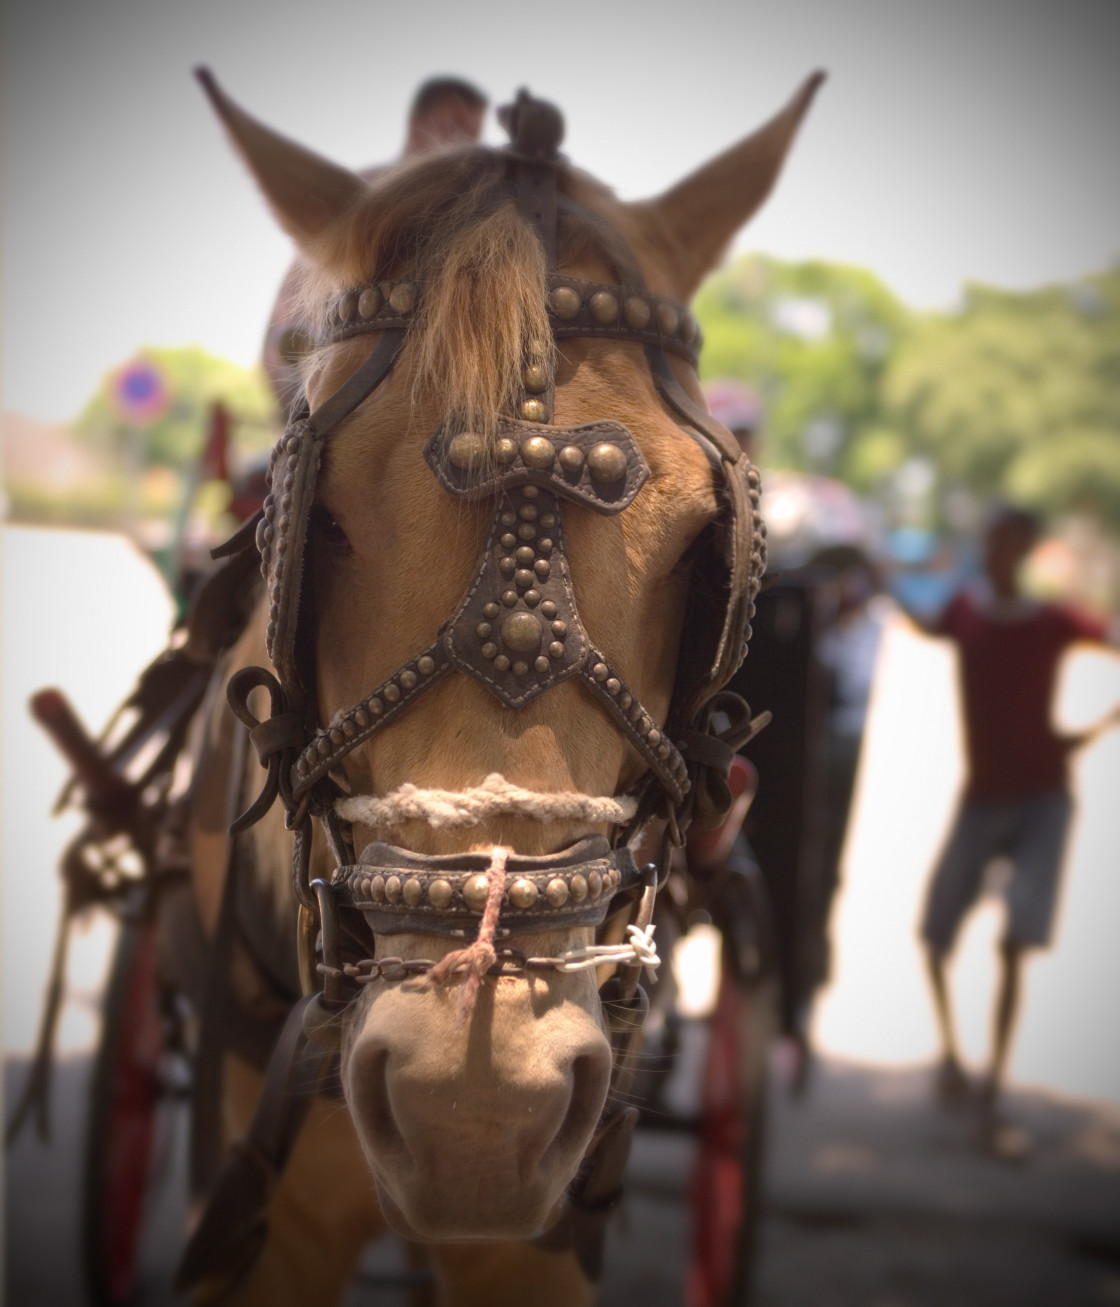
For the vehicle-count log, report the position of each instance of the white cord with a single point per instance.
(640, 949)
(494, 797)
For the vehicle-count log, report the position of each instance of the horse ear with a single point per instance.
(306, 192)
(695, 219)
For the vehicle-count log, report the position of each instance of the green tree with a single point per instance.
(1018, 394)
(813, 339)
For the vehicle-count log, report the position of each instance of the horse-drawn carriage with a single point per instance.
(475, 646)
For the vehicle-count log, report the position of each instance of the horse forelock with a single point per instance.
(451, 222)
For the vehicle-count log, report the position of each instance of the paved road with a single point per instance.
(875, 1198)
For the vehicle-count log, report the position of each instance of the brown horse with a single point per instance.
(483, 697)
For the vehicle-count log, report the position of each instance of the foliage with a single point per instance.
(1015, 394)
(195, 379)
(1019, 395)
(812, 339)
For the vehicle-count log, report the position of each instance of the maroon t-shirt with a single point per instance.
(1009, 657)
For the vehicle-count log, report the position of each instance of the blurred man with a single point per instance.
(445, 111)
(1016, 802)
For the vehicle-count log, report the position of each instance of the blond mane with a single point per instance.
(450, 221)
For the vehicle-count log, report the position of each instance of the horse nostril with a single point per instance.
(590, 1078)
(370, 1098)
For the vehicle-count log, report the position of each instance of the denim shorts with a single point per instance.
(1031, 832)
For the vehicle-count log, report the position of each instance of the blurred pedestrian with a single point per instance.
(1016, 802)
(445, 111)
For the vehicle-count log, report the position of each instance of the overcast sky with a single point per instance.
(954, 140)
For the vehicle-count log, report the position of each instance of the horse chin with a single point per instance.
(474, 1131)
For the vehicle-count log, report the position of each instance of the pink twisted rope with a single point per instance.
(477, 958)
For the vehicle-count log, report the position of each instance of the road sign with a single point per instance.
(140, 393)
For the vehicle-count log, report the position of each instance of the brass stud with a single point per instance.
(625, 701)
(533, 410)
(413, 892)
(613, 685)
(548, 608)
(523, 893)
(527, 512)
(508, 518)
(403, 296)
(483, 630)
(393, 889)
(476, 889)
(540, 664)
(349, 729)
(508, 540)
(688, 328)
(556, 649)
(375, 706)
(556, 892)
(636, 312)
(544, 546)
(664, 749)
(467, 451)
(595, 884)
(501, 663)
(653, 738)
(525, 555)
(490, 610)
(538, 451)
(520, 668)
(377, 889)
(505, 450)
(534, 377)
(531, 492)
(369, 301)
(408, 679)
(509, 598)
(323, 744)
(523, 578)
(667, 318)
(526, 531)
(532, 597)
(361, 717)
(347, 306)
(336, 736)
(507, 566)
(543, 568)
(564, 302)
(392, 692)
(571, 460)
(522, 633)
(607, 462)
(579, 887)
(489, 650)
(440, 893)
(599, 671)
(548, 519)
(604, 307)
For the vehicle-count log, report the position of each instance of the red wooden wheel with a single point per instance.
(725, 1180)
(121, 1128)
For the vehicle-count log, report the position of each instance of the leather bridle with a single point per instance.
(516, 631)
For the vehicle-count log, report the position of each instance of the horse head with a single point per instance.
(497, 512)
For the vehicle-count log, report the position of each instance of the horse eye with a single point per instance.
(328, 530)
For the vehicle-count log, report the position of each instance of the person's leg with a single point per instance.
(1042, 826)
(952, 1083)
(1006, 1011)
(974, 839)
